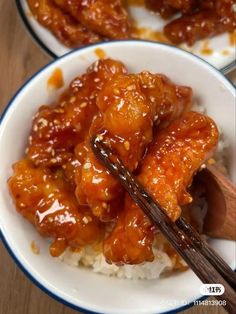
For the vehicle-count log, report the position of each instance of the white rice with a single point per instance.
(162, 263)
(90, 258)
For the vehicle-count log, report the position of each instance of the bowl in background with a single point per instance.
(80, 288)
(219, 51)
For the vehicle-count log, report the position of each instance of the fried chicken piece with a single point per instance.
(127, 127)
(202, 24)
(176, 154)
(57, 129)
(65, 28)
(105, 17)
(168, 100)
(130, 104)
(47, 202)
(203, 4)
(160, 6)
(185, 6)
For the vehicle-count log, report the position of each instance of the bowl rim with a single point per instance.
(39, 42)
(12, 101)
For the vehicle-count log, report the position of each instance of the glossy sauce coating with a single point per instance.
(175, 155)
(202, 24)
(62, 25)
(126, 126)
(56, 130)
(47, 202)
(185, 6)
(130, 105)
(61, 188)
(160, 6)
(105, 17)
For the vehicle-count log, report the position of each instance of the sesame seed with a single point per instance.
(116, 91)
(104, 205)
(26, 150)
(43, 122)
(63, 104)
(87, 165)
(85, 220)
(34, 248)
(44, 177)
(96, 80)
(50, 219)
(35, 129)
(203, 166)
(83, 105)
(127, 145)
(131, 87)
(152, 98)
(72, 99)
(53, 160)
(49, 149)
(59, 110)
(99, 137)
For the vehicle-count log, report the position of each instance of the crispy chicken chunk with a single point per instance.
(57, 129)
(47, 202)
(129, 104)
(126, 125)
(176, 154)
(105, 17)
(185, 6)
(203, 24)
(161, 7)
(63, 26)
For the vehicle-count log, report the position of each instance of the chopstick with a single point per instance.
(208, 252)
(199, 256)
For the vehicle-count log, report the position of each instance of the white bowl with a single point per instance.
(222, 57)
(80, 287)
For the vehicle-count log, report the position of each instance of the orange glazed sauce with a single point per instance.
(100, 53)
(232, 38)
(206, 50)
(138, 3)
(56, 79)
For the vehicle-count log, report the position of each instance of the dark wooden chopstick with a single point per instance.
(209, 253)
(183, 243)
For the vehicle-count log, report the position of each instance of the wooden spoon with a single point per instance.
(220, 220)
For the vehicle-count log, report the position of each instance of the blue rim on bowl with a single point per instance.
(225, 70)
(10, 251)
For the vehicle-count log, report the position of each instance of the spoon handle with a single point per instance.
(220, 220)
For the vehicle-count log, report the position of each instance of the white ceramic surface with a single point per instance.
(79, 286)
(145, 19)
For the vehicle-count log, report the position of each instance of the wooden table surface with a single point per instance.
(19, 59)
